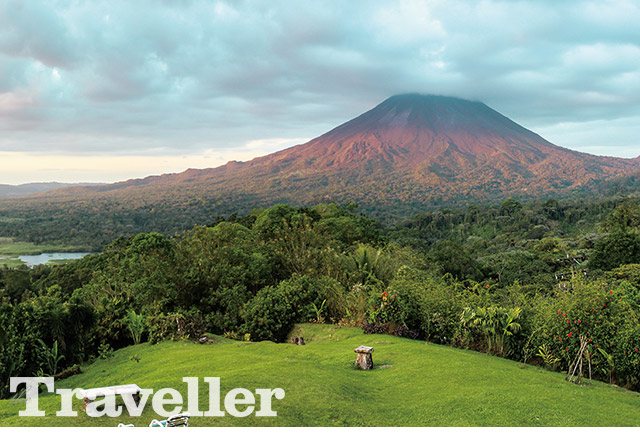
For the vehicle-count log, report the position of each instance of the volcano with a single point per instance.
(410, 152)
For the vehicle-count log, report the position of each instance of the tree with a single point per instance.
(219, 270)
(16, 283)
(369, 266)
(510, 207)
(625, 218)
(515, 265)
(615, 250)
(453, 259)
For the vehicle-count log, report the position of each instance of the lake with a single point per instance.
(43, 258)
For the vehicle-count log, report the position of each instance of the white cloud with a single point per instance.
(144, 78)
(599, 137)
(269, 145)
(14, 101)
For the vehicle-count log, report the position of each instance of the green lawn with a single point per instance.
(413, 384)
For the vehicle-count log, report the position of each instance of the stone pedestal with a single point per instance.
(364, 359)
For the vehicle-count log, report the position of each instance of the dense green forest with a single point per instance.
(90, 221)
(521, 281)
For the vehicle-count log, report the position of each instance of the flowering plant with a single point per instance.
(604, 317)
(385, 308)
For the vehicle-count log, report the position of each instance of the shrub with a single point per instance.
(375, 328)
(615, 250)
(428, 306)
(105, 351)
(497, 325)
(274, 310)
(385, 308)
(548, 358)
(173, 326)
(69, 371)
(607, 321)
(49, 358)
(135, 324)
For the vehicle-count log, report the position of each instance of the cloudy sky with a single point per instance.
(109, 90)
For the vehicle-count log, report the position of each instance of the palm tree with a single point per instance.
(496, 323)
(56, 324)
(369, 266)
(508, 326)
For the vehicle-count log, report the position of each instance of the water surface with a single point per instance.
(43, 258)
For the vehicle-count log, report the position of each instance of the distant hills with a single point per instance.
(412, 148)
(36, 187)
(410, 153)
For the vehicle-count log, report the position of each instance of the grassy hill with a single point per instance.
(413, 384)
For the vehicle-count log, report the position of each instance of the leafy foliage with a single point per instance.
(49, 358)
(135, 324)
(615, 250)
(502, 279)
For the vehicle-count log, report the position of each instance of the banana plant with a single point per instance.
(610, 363)
(318, 311)
(496, 324)
(50, 357)
(136, 324)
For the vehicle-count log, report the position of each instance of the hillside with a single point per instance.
(409, 154)
(414, 384)
(25, 189)
(410, 148)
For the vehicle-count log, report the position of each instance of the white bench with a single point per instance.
(179, 420)
(129, 389)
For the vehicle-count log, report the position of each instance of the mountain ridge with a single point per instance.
(411, 151)
(10, 190)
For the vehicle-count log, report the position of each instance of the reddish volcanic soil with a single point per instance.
(408, 152)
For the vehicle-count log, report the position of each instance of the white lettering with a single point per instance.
(31, 393)
(66, 401)
(159, 401)
(265, 401)
(231, 400)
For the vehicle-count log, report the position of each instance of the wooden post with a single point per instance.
(576, 365)
(364, 359)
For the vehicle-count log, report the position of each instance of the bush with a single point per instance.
(274, 310)
(135, 323)
(615, 250)
(385, 308)
(173, 326)
(497, 325)
(428, 306)
(605, 319)
(69, 371)
(375, 328)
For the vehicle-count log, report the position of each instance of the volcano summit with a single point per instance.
(410, 152)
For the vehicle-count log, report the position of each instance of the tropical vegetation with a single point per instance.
(525, 282)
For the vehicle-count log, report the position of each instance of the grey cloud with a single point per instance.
(177, 75)
(34, 31)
